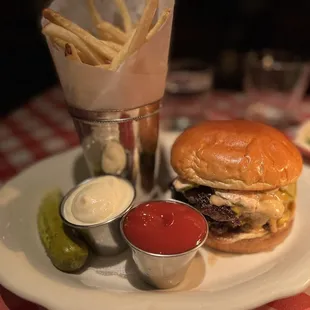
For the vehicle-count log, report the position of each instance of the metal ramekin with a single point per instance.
(161, 270)
(104, 238)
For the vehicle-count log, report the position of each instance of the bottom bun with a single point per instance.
(254, 245)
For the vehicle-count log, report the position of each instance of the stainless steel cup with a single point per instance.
(133, 133)
(104, 238)
(159, 270)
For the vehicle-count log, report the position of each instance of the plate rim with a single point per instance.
(293, 285)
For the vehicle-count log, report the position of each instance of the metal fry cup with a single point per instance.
(163, 271)
(104, 238)
(124, 143)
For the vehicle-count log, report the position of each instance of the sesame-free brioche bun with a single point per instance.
(263, 243)
(236, 155)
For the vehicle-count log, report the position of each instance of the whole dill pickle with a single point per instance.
(65, 250)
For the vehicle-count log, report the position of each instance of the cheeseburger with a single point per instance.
(242, 176)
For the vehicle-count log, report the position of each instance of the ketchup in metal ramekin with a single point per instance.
(164, 237)
(165, 227)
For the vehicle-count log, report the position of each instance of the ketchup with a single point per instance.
(164, 227)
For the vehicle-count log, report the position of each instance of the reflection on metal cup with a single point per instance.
(104, 238)
(122, 143)
(148, 133)
(163, 271)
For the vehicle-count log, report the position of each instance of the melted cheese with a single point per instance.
(285, 218)
(260, 207)
(273, 225)
(269, 204)
(181, 185)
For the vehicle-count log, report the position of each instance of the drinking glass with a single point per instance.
(274, 83)
(189, 83)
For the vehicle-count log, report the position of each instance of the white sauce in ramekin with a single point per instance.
(98, 201)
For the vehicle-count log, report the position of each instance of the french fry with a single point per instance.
(71, 53)
(144, 25)
(59, 42)
(62, 44)
(113, 46)
(105, 36)
(162, 19)
(54, 31)
(117, 47)
(123, 53)
(94, 12)
(104, 66)
(100, 48)
(139, 35)
(111, 32)
(127, 22)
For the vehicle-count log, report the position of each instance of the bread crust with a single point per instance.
(236, 155)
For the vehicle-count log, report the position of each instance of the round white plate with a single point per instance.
(214, 281)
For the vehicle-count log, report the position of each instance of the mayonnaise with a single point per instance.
(98, 201)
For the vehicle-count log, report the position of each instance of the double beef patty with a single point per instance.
(221, 219)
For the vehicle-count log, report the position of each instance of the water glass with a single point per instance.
(274, 83)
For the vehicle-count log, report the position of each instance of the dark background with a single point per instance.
(218, 31)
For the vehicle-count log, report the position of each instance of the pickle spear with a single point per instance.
(66, 252)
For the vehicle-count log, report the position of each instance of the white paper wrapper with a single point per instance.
(139, 81)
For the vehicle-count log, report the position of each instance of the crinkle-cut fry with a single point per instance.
(161, 20)
(127, 22)
(96, 18)
(71, 53)
(100, 48)
(116, 35)
(117, 47)
(54, 31)
(138, 36)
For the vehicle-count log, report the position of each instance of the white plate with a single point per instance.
(214, 281)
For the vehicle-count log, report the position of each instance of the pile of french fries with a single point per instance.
(111, 45)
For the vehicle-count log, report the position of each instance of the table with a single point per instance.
(43, 127)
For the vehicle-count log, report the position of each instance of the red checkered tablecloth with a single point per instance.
(43, 127)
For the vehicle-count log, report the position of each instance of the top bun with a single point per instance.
(236, 155)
